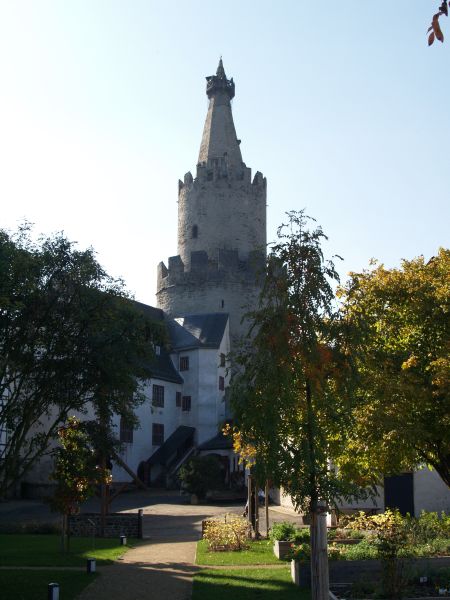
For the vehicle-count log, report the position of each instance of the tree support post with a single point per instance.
(320, 588)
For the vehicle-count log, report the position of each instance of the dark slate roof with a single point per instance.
(197, 331)
(171, 445)
(161, 366)
(218, 442)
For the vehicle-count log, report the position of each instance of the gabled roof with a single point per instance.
(174, 442)
(161, 367)
(197, 331)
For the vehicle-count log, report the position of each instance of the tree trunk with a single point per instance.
(266, 505)
(250, 505)
(319, 556)
(256, 501)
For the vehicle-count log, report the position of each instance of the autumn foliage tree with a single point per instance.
(435, 31)
(76, 472)
(402, 417)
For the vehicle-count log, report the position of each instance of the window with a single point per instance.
(158, 350)
(186, 403)
(195, 231)
(184, 363)
(157, 434)
(221, 383)
(158, 395)
(126, 432)
(178, 399)
(222, 359)
(222, 304)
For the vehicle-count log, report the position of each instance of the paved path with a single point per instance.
(162, 565)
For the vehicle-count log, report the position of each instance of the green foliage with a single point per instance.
(75, 472)
(69, 337)
(201, 474)
(401, 325)
(291, 391)
(285, 530)
(230, 534)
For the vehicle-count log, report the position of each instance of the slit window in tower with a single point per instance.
(221, 383)
(222, 303)
(178, 399)
(194, 232)
(184, 363)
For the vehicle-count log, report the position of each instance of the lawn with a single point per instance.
(246, 584)
(32, 585)
(259, 553)
(44, 551)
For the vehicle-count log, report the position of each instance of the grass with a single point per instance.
(259, 553)
(246, 584)
(32, 585)
(44, 551)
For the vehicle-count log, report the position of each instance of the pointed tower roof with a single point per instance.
(219, 135)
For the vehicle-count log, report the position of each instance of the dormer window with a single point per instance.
(194, 232)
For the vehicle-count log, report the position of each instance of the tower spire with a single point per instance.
(219, 135)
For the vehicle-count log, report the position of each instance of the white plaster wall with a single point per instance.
(142, 448)
(430, 492)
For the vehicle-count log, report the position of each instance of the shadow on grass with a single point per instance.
(246, 584)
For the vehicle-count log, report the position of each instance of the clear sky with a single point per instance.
(341, 105)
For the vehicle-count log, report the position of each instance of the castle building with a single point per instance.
(202, 296)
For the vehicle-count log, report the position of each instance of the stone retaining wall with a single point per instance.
(116, 524)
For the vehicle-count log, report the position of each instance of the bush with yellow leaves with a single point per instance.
(230, 534)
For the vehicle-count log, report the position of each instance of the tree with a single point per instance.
(200, 474)
(70, 339)
(76, 472)
(291, 393)
(434, 30)
(402, 418)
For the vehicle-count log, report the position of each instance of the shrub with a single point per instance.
(300, 552)
(301, 536)
(283, 531)
(200, 474)
(230, 534)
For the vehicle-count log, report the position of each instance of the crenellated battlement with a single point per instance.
(226, 266)
(220, 172)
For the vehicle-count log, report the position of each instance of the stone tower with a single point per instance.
(221, 223)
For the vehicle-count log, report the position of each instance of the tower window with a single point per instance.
(194, 232)
(222, 303)
(221, 383)
(186, 403)
(184, 363)
(178, 399)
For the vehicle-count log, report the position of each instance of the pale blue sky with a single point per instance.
(344, 109)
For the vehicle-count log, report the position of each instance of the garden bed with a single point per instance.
(357, 571)
(258, 553)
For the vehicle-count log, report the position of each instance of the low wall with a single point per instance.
(116, 524)
(351, 571)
